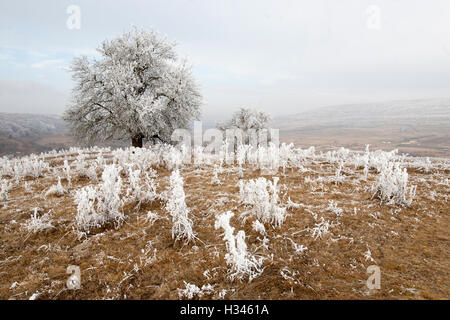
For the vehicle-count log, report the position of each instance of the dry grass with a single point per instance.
(410, 245)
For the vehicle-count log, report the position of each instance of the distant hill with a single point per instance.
(32, 133)
(418, 127)
(22, 134)
(407, 112)
(15, 125)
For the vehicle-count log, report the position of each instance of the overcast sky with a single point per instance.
(279, 56)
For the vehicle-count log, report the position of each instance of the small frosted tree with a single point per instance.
(245, 119)
(137, 90)
(250, 122)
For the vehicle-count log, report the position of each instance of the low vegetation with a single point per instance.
(285, 223)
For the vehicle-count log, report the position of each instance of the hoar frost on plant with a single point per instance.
(298, 248)
(242, 262)
(332, 207)
(173, 158)
(57, 190)
(176, 206)
(145, 192)
(83, 170)
(6, 167)
(152, 217)
(263, 196)
(99, 205)
(259, 227)
(191, 291)
(391, 185)
(4, 188)
(38, 223)
(215, 179)
(321, 228)
(67, 172)
(30, 166)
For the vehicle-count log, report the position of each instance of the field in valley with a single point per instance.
(330, 226)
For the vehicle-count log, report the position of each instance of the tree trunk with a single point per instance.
(136, 141)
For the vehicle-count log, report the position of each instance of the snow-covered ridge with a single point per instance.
(400, 112)
(28, 125)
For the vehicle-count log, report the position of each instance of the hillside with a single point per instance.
(22, 134)
(17, 125)
(417, 127)
(287, 224)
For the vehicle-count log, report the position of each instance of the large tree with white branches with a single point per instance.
(138, 89)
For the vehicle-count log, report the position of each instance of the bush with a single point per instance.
(176, 206)
(30, 166)
(99, 205)
(391, 185)
(38, 223)
(143, 193)
(241, 261)
(4, 188)
(263, 196)
(57, 190)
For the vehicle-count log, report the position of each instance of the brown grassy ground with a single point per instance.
(410, 245)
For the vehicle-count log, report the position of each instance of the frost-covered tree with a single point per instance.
(245, 119)
(249, 121)
(138, 89)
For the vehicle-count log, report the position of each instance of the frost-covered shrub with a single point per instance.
(215, 179)
(338, 177)
(259, 227)
(99, 205)
(379, 159)
(83, 169)
(242, 262)
(176, 206)
(110, 190)
(332, 207)
(287, 156)
(57, 190)
(67, 172)
(5, 186)
(321, 228)
(241, 154)
(262, 195)
(30, 166)
(265, 159)
(87, 216)
(38, 223)
(80, 164)
(91, 173)
(145, 192)
(173, 158)
(27, 187)
(6, 167)
(152, 217)
(427, 165)
(391, 185)
(191, 291)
